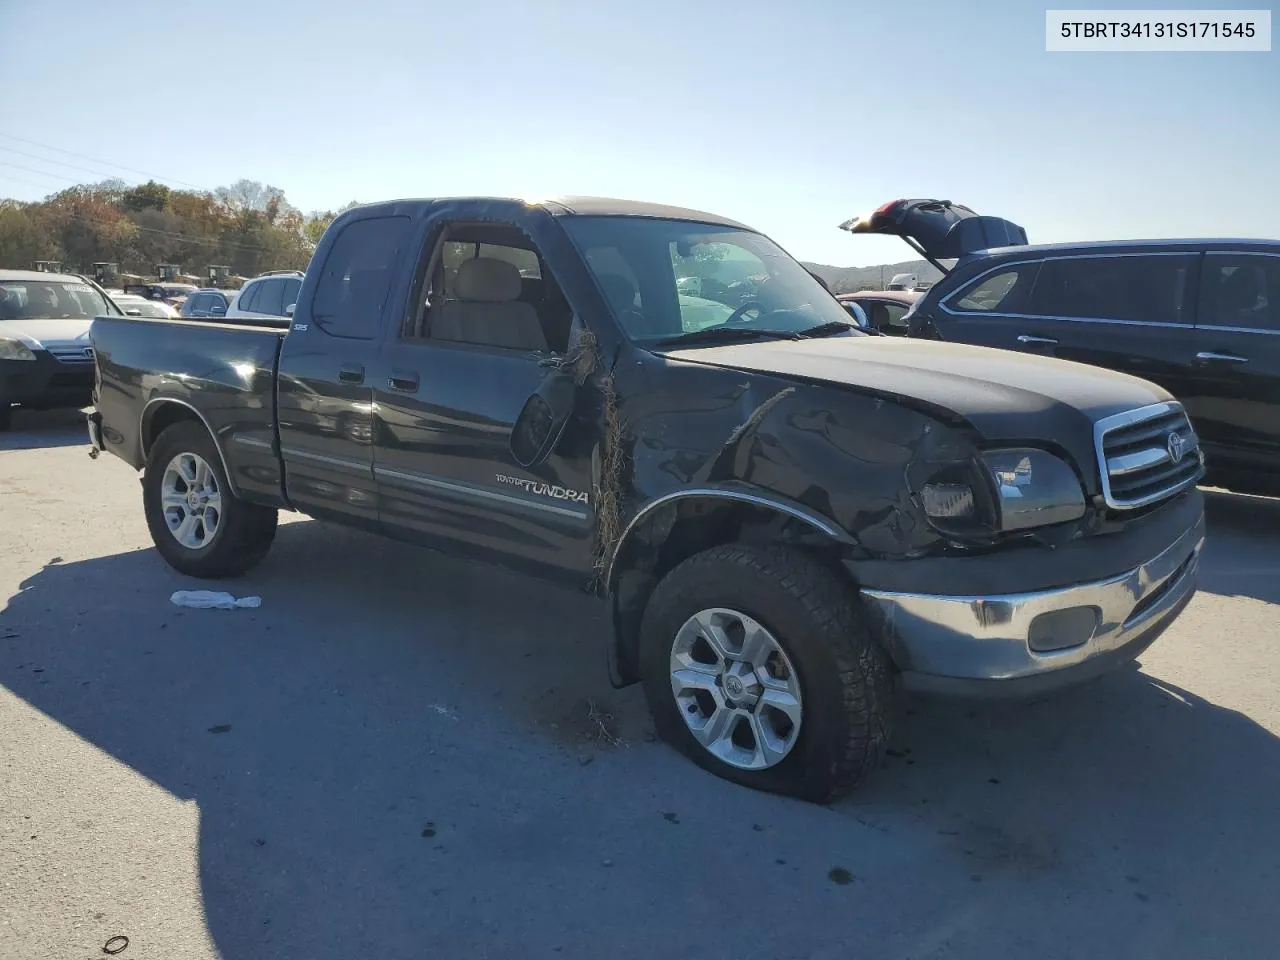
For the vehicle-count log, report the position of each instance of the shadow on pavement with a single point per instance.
(401, 755)
(34, 429)
(1242, 546)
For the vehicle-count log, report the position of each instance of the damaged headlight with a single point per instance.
(1004, 490)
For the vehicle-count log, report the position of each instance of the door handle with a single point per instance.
(351, 373)
(1211, 357)
(403, 380)
(1038, 341)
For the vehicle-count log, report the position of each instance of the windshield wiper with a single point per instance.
(726, 335)
(828, 329)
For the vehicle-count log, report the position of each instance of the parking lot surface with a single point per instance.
(401, 755)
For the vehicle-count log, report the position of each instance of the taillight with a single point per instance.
(881, 211)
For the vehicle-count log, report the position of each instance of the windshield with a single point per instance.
(43, 299)
(667, 278)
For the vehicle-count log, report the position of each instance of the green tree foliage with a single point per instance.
(248, 226)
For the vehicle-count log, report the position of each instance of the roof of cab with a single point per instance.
(569, 206)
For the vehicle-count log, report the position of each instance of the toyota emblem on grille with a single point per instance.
(1177, 446)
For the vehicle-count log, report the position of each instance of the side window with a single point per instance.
(249, 298)
(1003, 290)
(270, 299)
(487, 288)
(894, 312)
(1146, 289)
(356, 276)
(1241, 291)
(197, 305)
(291, 288)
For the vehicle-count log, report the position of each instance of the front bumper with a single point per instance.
(1024, 644)
(46, 383)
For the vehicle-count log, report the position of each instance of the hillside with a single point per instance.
(849, 279)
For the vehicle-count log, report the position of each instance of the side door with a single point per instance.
(270, 299)
(324, 393)
(292, 286)
(1235, 398)
(486, 319)
(1132, 313)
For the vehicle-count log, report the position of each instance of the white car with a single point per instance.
(46, 359)
(135, 306)
(270, 296)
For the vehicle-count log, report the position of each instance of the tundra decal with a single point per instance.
(544, 489)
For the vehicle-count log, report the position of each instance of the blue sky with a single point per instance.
(790, 117)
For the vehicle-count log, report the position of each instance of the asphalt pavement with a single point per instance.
(403, 755)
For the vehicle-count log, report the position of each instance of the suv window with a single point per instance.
(291, 288)
(1241, 291)
(1003, 290)
(1146, 289)
(356, 275)
(249, 297)
(270, 299)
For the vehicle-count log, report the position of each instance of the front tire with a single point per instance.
(759, 666)
(199, 526)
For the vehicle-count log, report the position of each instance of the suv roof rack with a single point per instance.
(278, 273)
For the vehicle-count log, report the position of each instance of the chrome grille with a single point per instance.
(1147, 455)
(71, 353)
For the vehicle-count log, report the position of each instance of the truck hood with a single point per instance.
(1005, 396)
(43, 332)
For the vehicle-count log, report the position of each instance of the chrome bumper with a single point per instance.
(1024, 644)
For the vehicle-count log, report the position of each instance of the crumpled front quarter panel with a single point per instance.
(841, 454)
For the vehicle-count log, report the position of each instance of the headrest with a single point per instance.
(488, 280)
(620, 291)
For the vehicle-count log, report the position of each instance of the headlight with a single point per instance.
(1034, 488)
(1019, 489)
(15, 350)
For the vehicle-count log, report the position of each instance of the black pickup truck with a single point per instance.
(787, 518)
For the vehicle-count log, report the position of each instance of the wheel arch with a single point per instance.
(674, 527)
(160, 413)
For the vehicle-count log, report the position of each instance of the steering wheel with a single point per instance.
(749, 305)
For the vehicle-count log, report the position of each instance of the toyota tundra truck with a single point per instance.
(788, 521)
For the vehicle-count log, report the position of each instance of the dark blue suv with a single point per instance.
(1201, 318)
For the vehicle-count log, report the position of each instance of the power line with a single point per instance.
(103, 163)
(60, 163)
(41, 173)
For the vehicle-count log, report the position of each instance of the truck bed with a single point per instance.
(151, 372)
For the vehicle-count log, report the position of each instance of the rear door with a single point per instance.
(325, 394)
(1129, 312)
(1235, 400)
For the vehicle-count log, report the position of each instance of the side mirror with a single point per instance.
(538, 428)
(133, 312)
(288, 311)
(859, 315)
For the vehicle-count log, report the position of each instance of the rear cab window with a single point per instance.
(356, 276)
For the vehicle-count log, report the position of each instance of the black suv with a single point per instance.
(1199, 317)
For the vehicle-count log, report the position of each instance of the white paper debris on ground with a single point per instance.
(212, 599)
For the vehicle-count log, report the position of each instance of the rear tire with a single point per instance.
(818, 711)
(199, 526)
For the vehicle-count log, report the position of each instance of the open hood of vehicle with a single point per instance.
(939, 229)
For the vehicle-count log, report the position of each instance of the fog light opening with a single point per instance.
(1063, 629)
